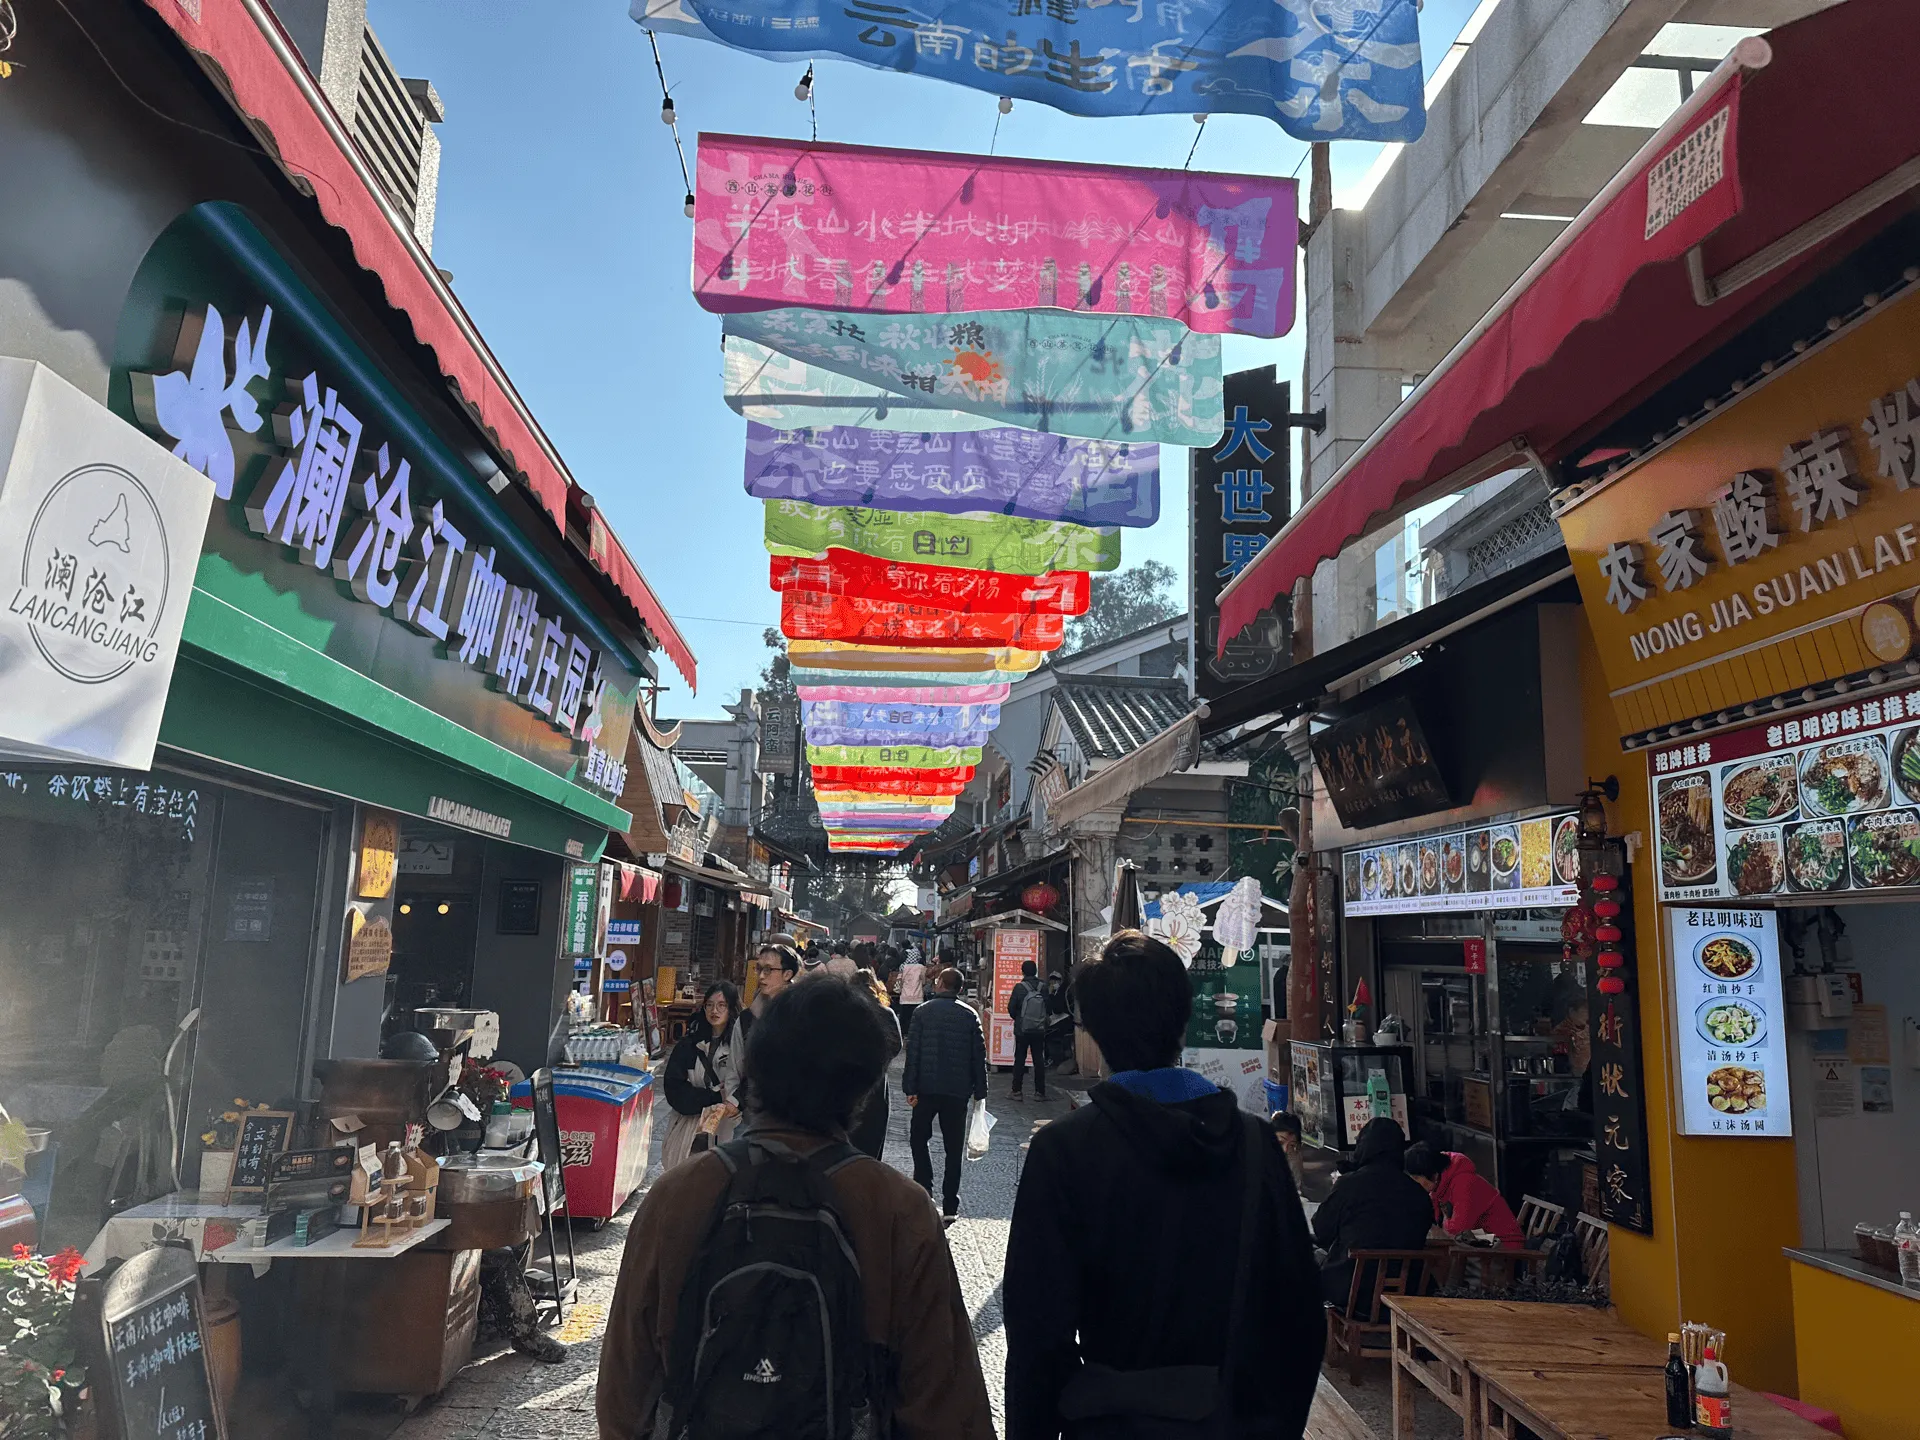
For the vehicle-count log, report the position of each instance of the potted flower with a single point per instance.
(218, 1141)
(41, 1378)
(485, 1087)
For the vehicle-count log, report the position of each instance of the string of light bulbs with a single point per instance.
(671, 119)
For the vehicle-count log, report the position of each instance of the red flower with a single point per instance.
(62, 1268)
(22, 1253)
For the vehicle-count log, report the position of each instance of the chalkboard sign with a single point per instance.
(143, 1331)
(263, 1135)
(546, 1129)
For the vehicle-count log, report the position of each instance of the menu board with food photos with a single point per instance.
(1516, 865)
(1825, 802)
(1729, 1023)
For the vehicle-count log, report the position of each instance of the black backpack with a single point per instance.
(772, 1336)
(1033, 1012)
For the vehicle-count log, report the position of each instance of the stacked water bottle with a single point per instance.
(607, 1047)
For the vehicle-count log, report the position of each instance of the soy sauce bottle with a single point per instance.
(1679, 1386)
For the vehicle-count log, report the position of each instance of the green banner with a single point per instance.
(583, 903)
(966, 542)
(917, 757)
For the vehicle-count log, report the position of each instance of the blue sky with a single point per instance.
(560, 218)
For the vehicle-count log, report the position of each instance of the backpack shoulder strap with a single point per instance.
(834, 1157)
(1252, 1138)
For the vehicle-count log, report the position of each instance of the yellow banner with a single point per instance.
(1772, 547)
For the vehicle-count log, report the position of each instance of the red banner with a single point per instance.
(844, 572)
(810, 615)
(891, 781)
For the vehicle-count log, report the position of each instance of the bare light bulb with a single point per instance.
(1006, 104)
(804, 90)
(688, 207)
(667, 116)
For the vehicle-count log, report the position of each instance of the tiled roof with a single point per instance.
(1114, 715)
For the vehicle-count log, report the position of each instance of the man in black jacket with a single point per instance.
(946, 1066)
(1374, 1206)
(1126, 1237)
(1029, 1033)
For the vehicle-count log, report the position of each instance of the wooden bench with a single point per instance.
(1539, 1218)
(1595, 1248)
(1364, 1329)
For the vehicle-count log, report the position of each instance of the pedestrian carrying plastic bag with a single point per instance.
(979, 1128)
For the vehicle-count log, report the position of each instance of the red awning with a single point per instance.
(1608, 314)
(242, 44)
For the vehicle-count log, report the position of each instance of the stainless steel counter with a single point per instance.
(1851, 1267)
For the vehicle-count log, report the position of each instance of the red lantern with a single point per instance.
(1039, 898)
(1606, 909)
(1607, 934)
(1610, 960)
(1611, 985)
(1606, 882)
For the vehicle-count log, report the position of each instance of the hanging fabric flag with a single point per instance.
(935, 736)
(805, 615)
(1105, 377)
(892, 659)
(847, 572)
(898, 781)
(910, 757)
(986, 542)
(789, 394)
(780, 223)
(1320, 69)
(886, 695)
(1003, 470)
(901, 715)
(844, 796)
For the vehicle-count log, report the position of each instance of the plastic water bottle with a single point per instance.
(1906, 1239)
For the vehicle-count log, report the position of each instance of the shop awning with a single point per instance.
(636, 882)
(1820, 154)
(719, 879)
(1016, 917)
(253, 61)
(1174, 748)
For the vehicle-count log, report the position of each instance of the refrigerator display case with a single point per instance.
(1337, 1089)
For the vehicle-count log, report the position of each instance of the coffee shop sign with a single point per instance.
(1822, 484)
(345, 505)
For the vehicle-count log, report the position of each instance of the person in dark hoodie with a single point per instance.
(1126, 1237)
(1374, 1206)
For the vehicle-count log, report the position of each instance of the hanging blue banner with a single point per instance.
(1002, 472)
(1321, 69)
(876, 715)
(1104, 377)
(938, 736)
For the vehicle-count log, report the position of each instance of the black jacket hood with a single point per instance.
(1381, 1140)
(1181, 1138)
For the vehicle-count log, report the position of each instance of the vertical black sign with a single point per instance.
(1625, 1172)
(779, 734)
(1242, 494)
(145, 1327)
(263, 1135)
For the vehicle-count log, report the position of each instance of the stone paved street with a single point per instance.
(502, 1395)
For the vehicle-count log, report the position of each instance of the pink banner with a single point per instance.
(910, 695)
(847, 227)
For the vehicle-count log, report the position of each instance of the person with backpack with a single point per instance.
(1159, 1279)
(946, 1067)
(783, 1284)
(1027, 1008)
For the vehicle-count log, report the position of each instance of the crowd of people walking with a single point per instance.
(1161, 1276)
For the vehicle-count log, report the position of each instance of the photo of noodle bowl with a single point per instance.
(1755, 861)
(1689, 854)
(1844, 777)
(1737, 1090)
(1758, 792)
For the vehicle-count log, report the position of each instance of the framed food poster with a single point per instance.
(1825, 802)
(1525, 864)
(1729, 1022)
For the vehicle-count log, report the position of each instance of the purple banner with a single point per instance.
(1003, 471)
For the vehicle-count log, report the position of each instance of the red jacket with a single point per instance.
(1463, 1201)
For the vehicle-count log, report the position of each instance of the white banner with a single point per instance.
(100, 534)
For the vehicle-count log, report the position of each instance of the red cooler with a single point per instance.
(606, 1129)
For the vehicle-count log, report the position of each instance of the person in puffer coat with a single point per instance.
(946, 1066)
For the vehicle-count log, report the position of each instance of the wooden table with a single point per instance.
(1606, 1402)
(1443, 1345)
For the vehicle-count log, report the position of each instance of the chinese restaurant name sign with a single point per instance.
(1729, 1023)
(1773, 546)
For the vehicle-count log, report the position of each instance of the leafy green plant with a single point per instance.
(40, 1373)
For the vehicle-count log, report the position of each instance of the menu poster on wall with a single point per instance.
(1521, 865)
(1824, 802)
(1010, 948)
(1729, 1022)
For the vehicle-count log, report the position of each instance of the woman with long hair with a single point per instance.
(703, 1077)
(869, 1133)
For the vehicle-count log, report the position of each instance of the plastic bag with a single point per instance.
(979, 1128)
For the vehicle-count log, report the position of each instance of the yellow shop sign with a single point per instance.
(1772, 546)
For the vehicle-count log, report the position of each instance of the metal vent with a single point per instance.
(1517, 540)
(389, 125)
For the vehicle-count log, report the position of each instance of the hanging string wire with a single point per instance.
(997, 118)
(813, 108)
(1199, 130)
(666, 96)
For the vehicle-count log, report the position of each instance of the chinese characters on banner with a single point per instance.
(985, 542)
(1378, 767)
(1010, 948)
(1242, 494)
(1321, 71)
(344, 503)
(1623, 1168)
(844, 227)
(847, 572)
(1105, 377)
(1729, 1021)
